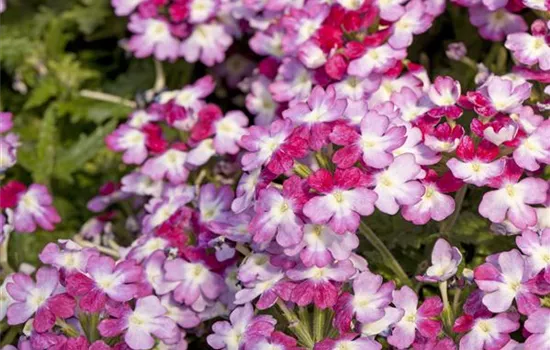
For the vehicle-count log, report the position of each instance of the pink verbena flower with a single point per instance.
(445, 261)
(504, 278)
(104, 280)
(376, 60)
(531, 49)
(8, 151)
(242, 328)
(207, 43)
(368, 303)
(414, 319)
(130, 140)
(397, 185)
(495, 25)
(476, 165)
(39, 299)
(67, 255)
(348, 341)
(169, 165)
(538, 325)
(415, 20)
(6, 122)
(275, 147)
(444, 93)
(345, 199)
(512, 198)
(278, 213)
(148, 319)
(374, 144)
(486, 333)
(125, 7)
(152, 36)
(229, 131)
(536, 247)
(534, 148)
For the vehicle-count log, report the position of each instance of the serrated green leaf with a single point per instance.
(46, 89)
(45, 152)
(74, 158)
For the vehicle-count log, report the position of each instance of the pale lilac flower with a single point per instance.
(207, 43)
(201, 153)
(530, 49)
(197, 284)
(345, 199)
(242, 327)
(536, 248)
(191, 97)
(268, 42)
(293, 81)
(152, 36)
(153, 268)
(444, 93)
(130, 141)
(268, 285)
(534, 148)
(169, 165)
(504, 278)
(148, 319)
(486, 333)
(456, 51)
(277, 213)
(201, 10)
(348, 342)
(8, 151)
(182, 315)
(512, 198)
(229, 131)
(125, 7)
(538, 325)
(320, 246)
(477, 165)
(260, 102)
(368, 303)
(160, 209)
(390, 10)
(5, 298)
(67, 255)
(246, 191)
(397, 185)
(34, 208)
(301, 24)
(311, 55)
(376, 60)
(445, 261)
(415, 145)
(356, 88)
(214, 204)
(414, 319)
(144, 246)
(414, 21)
(140, 184)
(38, 299)
(374, 144)
(410, 104)
(495, 25)
(6, 122)
(391, 316)
(104, 280)
(109, 193)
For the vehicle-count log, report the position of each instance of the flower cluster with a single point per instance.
(222, 217)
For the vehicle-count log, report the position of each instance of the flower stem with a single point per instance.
(318, 324)
(296, 326)
(448, 224)
(67, 328)
(456, 300)
(448, 315)
(4, 264)
(101, 96)
(387, 256)
(102, 249)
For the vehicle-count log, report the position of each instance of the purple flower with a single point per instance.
(391, 316)
(104, 280)
(414, 319)
(376, 60)
(169, 165)
(445, 261)
(160, 209)
(486, 333)
(153, 268)
(414, 21)
(277, 213)
(197, 284)
(444, 93)
(368, 303)
(67, 255)
(34, 207)
(504, 278)
(495, 25)
(345, 199)
(5, 298)
(6, 122)
(131, 141)
(538, 324)
(8, 151)
(152, 36)
(182, 315)
(536, 247)
(260, 102)
(293, 81)
(148, 319)
(214, 204)
(397, 184)
(456, 51)
(530, 49)
(207, 43)
(229, 131)
(242, 327)
(125, 7)
(410, 104)
(534, 149)
(38, 299)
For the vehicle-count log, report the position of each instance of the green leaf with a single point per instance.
(45, 90)
(74, 158)
(45, 153)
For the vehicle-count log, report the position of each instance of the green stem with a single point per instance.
(296, 326)
(448, 315)
(82, 242)
(9, 336)
(302, 170)
(4, 264)
(456, 300)
(448, 224)
(318, 324)
(101, 96)
(387, 256)
(67, 328)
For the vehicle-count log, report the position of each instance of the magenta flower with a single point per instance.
(130, 141)
(197, 284)
(316, 284)
(512, 198)
(375, 142)
(207, 43)
(39, 299)
(531, 49)
(368, 303)
(397, 185)
(538, 325)
(486, 333)
(148, 319)
(6, 122)
(536, 248)
(434, 204)
(241, 328)
(32, 207)
(444, 138)
(104, 280)
(277, 341)
(413, 320)
(345, 199)
(415, 20)
(504, 278)
(277, 213)
(445, 261)
(348, 341)
(275, 147)
(534, 148)
(152, 36)
(444, 93)
(477, 165)
(169, 165)
(322, 107)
